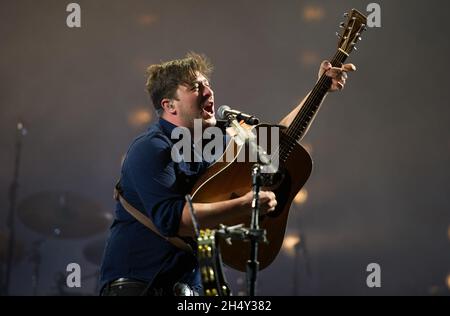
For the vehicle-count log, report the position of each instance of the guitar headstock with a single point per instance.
(352, 30)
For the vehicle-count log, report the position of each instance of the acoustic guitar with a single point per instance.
(229, 178)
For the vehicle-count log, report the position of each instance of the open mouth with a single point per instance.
(208, 108)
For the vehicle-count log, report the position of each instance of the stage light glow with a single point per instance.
(447, 281)
(147, 19)
(140, 117)
(313, 13)
(289, 243)
(301, 197)
(309, 58)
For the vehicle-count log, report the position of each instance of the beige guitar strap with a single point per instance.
(147, 222)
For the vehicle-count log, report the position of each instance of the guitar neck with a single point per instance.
(305, 116)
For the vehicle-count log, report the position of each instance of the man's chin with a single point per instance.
(209, 122)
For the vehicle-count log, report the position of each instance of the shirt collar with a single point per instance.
(166, 126)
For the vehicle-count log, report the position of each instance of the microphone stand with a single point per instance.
(255, 234)
(21, 131)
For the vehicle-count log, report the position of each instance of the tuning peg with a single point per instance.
(342, 25)
(345, 15)
(338, 35)
(355, 48)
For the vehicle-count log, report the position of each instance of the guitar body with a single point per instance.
(227, 180)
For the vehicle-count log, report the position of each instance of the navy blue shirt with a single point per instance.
(155, 185)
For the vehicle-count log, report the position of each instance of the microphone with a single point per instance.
(224, 112)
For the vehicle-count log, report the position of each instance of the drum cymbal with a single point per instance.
(63, 215)
(93, 252)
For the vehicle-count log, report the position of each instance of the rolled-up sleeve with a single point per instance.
(152, 173)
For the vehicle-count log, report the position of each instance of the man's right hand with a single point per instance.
(267, 201)
(228, 212)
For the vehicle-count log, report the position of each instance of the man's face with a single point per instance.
(195, 101)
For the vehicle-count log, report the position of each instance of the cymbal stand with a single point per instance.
(21, 132)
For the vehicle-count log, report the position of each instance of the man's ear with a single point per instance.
(167, 105)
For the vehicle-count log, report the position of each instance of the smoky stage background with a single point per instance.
(381, 148)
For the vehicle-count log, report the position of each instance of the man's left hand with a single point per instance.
(338, 75)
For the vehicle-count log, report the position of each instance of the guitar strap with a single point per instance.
(146, 221)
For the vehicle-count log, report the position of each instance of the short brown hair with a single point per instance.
(163, 79)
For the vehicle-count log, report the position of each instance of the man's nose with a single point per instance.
(207, 91)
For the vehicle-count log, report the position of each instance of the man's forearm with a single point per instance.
(210, 215)
(287, 120)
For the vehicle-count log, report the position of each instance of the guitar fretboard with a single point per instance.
(305, 116)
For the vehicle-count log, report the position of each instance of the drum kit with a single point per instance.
(54, 215)
(57, 216)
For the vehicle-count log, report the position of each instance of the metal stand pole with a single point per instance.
(21, 131)
(255, 234)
